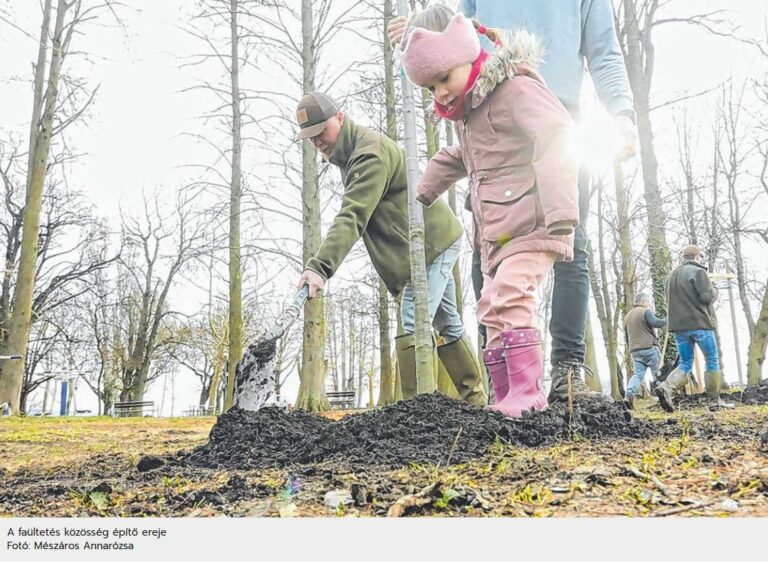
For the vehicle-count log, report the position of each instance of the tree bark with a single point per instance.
(602, 296)
(235, 351)
(21, 313)
(386, 379)
(312, 395)
(589, 358)
(757, 343)
(639, 56)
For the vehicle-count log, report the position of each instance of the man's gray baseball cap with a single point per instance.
(313, 111)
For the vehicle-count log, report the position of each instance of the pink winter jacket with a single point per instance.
(513, 147)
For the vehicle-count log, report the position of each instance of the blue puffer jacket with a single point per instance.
(570, 32)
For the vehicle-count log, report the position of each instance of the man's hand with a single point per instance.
(312, 279)
(396, 28)
(627, 136)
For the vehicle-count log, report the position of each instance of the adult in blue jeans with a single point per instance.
(640, 325)
(572, 32)
(690, 297)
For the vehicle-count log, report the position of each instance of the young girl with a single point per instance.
(513, 136)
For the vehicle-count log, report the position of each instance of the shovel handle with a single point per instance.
(301, 297)
(289, 314)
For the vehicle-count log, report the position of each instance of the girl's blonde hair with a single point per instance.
(436, 18)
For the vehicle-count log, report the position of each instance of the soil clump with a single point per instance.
(751, 395)
(429, 429)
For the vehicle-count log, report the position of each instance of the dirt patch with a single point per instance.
(692, 463)
(751, 395)
(427, 429)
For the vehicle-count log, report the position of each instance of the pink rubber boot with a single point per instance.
(525, 369)
(497, 369)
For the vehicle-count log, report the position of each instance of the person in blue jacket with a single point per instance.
(574, 34)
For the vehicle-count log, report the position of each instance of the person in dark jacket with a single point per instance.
(640, 325)
(375, 208)
(690, 298)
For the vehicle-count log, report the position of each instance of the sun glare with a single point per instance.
(595, 141)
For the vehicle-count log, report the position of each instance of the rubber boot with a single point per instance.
(525, 370)
(405, 347)
(713, 383)
(460, 361)
(628, 402)
(497, 370)
(676, 380)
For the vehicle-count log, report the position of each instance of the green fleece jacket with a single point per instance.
(375, 206)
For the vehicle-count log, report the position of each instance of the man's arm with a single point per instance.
(367, 182)
(703, 286)
(654, 322)
(600, 46)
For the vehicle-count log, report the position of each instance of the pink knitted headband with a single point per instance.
(428, 54)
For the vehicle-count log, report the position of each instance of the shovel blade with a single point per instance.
(255, 376)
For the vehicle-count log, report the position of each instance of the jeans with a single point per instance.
(643, 359)
(477, 285)
(441, 293)
(570, 292)
(707, 343)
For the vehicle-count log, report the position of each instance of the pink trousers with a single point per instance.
(508, 300)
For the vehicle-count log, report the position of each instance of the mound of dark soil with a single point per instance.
(430, 428)
(751, 395)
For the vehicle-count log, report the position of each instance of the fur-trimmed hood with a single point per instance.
(520, 53)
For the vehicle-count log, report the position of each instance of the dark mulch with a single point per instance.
(751, 395)
(427, 429)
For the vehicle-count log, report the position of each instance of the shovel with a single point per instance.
(255, 373)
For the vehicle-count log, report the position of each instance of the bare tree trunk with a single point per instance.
(628, 273)
(425, 377)
(386, 379)
(603, 302)
(639, 56)
(21, 313)
(388, 375)
(312, 380)
(589, 358)
(757, 343)
(218, 366)
(398, 381)
(37, 102)
(46, 396)
(235, 351)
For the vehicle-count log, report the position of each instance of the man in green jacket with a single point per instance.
(690, 298)
(375, 207)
